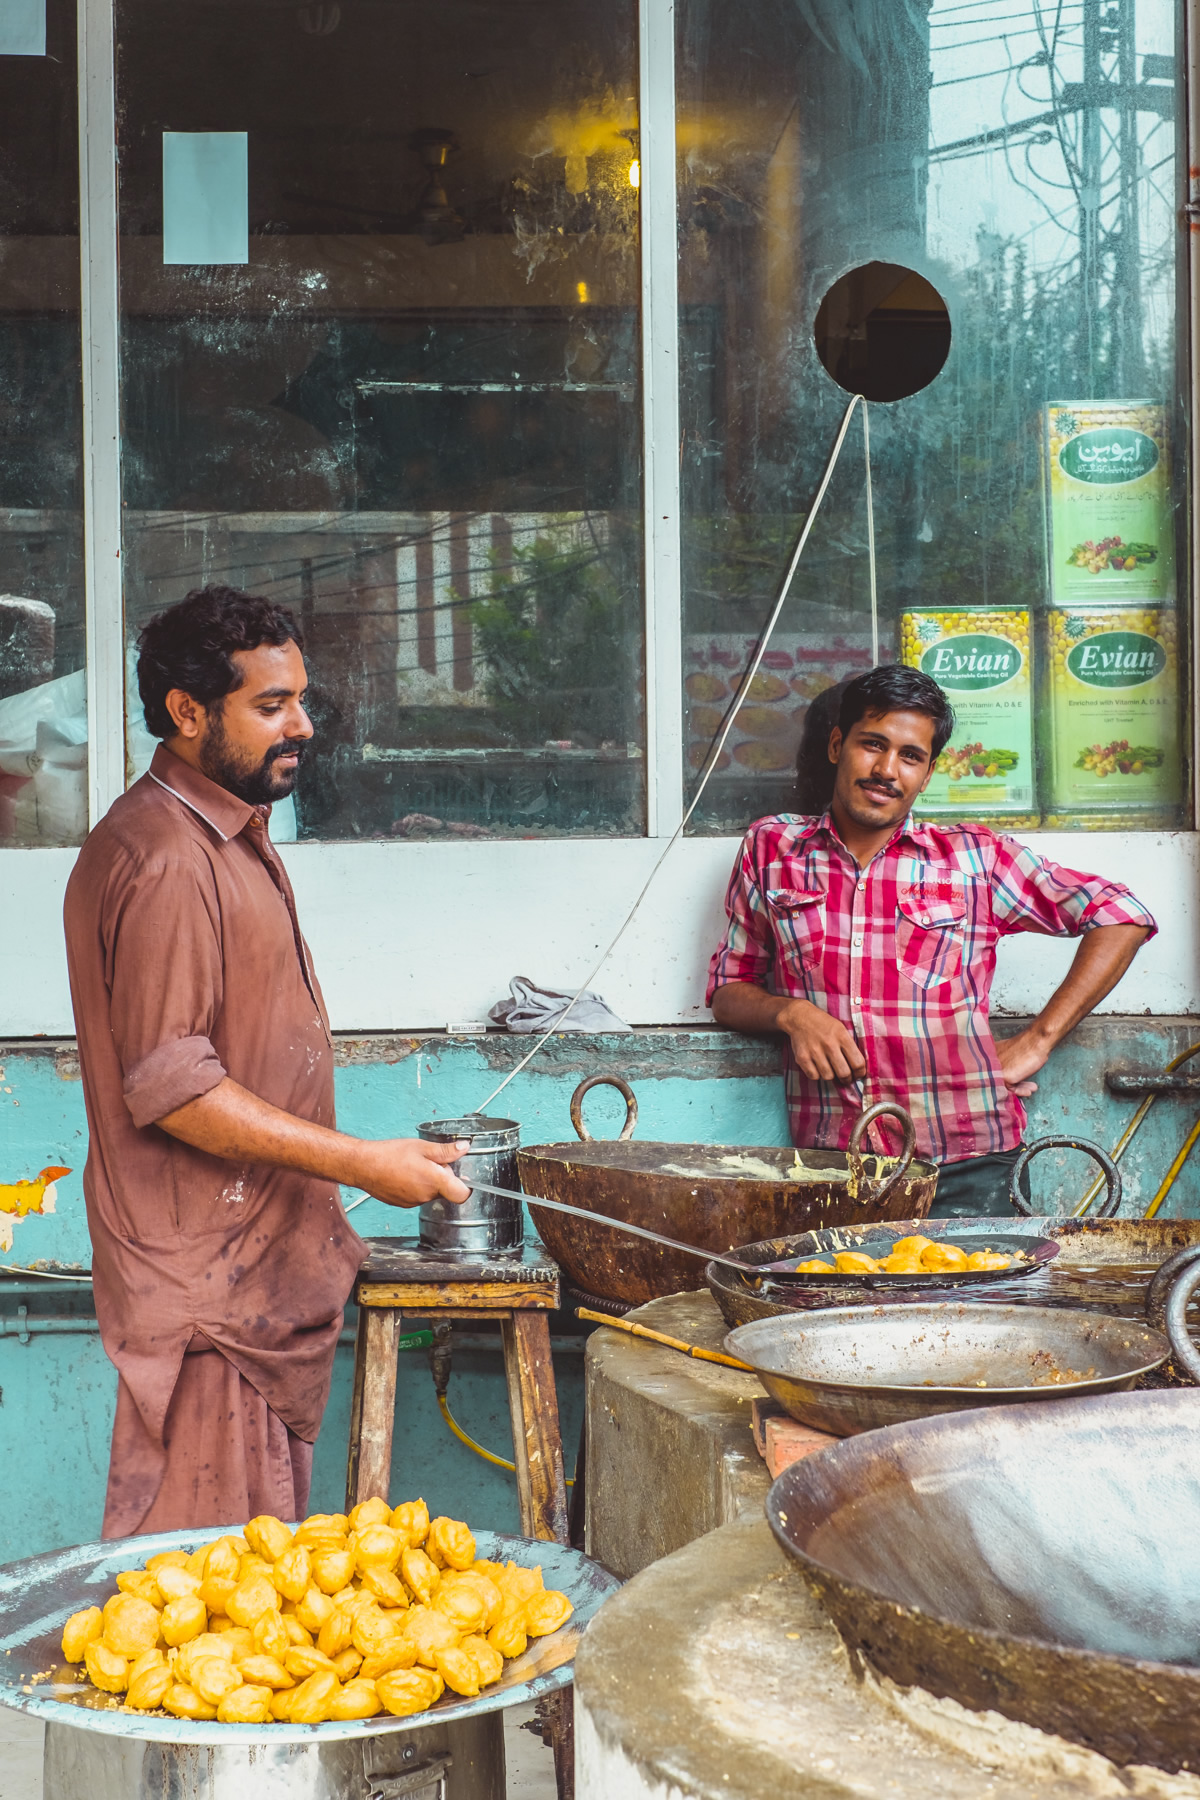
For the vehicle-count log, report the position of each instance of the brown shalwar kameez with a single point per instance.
(187, 965)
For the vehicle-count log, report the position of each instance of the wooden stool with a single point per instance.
(403, 1281)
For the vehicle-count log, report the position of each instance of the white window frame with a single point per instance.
(414, 935)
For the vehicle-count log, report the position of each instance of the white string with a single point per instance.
(42, 1274)
(720, 740)
(718, 743)
(871, 538)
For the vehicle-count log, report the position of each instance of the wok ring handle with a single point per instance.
(1167, 1300)
(1112, 1175)
(623, 1088)
(881, 1110)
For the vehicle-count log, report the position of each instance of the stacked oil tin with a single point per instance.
(1068, 713)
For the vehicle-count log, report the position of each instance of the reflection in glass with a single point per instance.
(1020, 159)
(43, 702)
(414, 416)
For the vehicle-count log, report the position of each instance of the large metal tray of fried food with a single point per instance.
(38, 1596)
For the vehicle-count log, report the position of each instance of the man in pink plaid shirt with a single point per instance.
(869, 941)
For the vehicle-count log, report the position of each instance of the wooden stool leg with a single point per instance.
(541, 1486)
(537, 1439)
(373, 1408)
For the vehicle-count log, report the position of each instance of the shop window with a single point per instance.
(407, 403)
(43, 702)
(1009, 195)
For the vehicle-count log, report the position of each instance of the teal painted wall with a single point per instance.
(57, 1389)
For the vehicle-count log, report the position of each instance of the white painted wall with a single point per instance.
(415, 935)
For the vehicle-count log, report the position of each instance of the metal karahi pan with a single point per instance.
(1038, 1562)
(851, 1369)
(716, 1197)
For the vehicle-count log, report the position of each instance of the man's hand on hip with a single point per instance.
(824, 1050)
(408, 1171)
(1020, 1057)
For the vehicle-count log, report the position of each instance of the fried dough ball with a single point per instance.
(175, 1584)
(106, 1669)
(462, 1603)
(142, 1584)
(815, 1267)
(321, 1528)
(209, 1643)
(215, 1590)
(897, 1264)
(264, 1671)
(268, 1536)
(508, 1635)
(411, 1520)
(370, 1512)
(337, 1633)
(149, 1685)
(281, 1704)
(544, 1613)
(378, 1545)
(253, 1596)
(347, 1663)
(520, 1584)
(270, 1635)
(400, 1653)
(185, 1703)
(357, 1700)
(292, 1573)
(213, 1677)
(385, 1585)
(408, 1691)
(373, 1630)
(295, 1630)
(493, 1600)
(130, 1625)
(429, 1632)
(855, 1262)
(332, 1569)
(183, 1619)
(489, 1659)
(166, 1559)
(459, 1670)
(313, 1698)
(300, 1662)
(314, 1609)
(421, 1576)
(911, 1246)
(450, 1544)
(988, 1259)
(81, 1629)
(224, 1560)
(241, 1642)
(936, 1257)
(246, 1705)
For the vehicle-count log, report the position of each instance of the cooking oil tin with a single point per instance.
(1108, 492)
(1113, 706)
(980, 656)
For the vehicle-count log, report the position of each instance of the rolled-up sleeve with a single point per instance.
(163, 963)
(1030, 893)
(746, 952)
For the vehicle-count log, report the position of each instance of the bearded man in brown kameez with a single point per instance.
(221, 1254)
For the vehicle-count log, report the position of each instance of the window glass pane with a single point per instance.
(975, 200)
(43, 702)
(413, 414)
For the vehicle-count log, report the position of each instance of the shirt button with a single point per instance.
(858, 943)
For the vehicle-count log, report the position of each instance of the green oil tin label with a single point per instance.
(1108, 490)
(981, 659)
(1114, 709)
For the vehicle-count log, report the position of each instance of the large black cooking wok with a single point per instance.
(715, 1196)
(1042, 1562)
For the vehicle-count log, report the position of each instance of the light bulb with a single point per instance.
(635, 173)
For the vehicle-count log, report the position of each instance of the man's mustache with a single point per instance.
(876, 786)
(297, 747)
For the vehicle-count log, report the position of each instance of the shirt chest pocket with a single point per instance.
(799, 919)
(929, 936)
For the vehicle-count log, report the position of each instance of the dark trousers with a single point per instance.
(977, 1188)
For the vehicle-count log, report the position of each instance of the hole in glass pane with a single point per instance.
(883, 331)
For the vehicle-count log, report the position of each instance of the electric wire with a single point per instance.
(501, 1462)
(716, 749)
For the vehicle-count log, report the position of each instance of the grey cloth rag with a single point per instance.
(534, 1008)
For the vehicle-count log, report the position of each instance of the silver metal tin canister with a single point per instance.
(484, 1223)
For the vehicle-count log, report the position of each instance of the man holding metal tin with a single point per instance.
(869, 941)
(221, 1255)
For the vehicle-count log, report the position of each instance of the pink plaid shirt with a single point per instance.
(903, 953)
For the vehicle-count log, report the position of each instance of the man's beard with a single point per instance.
(258, 784)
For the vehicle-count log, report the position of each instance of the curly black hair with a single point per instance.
(891, 687)
(191, 646)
